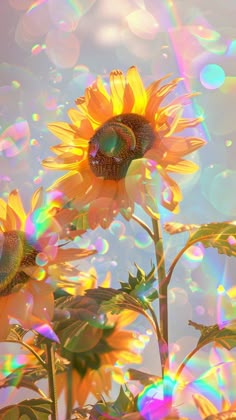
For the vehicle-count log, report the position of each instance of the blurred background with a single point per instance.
(50, 51)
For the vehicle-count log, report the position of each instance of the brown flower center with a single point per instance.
(117, 142)
(16, 253)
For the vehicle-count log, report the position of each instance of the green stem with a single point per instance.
(143, 225)
(161, 343)
(160, 259)
(52, 378)
(69, 405)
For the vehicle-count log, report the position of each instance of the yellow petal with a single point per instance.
(183, 167)
(63, 131)
(14, 201)
(204, 406)
(62, 162)
(184, 123)
(3, 207)
(140, 97)
(117, 86)
(37, 199)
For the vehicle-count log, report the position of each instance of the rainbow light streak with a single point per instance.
(179, 36)
(35, 4)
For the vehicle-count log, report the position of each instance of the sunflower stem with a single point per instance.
(163, 297)
(69, 404)
(52, 378)
(143, 225)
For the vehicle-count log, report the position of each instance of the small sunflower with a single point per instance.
(117, 142)
(92, 370)
(28, 251)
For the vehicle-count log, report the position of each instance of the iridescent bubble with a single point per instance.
(117, 229)
(232, 48)
(193, 256)
(36, 49)
(41, 259)
(178, 295)
(229, 86)
(228, 143)
(35, 117)
(142, 240)
(39, 274)
(15, 139)
(63, 15)
(221, 192)
(142, 23)
(212, 76)
(62, 48)
(200, 310)
(101, 245)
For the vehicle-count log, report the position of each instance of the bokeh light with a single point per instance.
(212, 76)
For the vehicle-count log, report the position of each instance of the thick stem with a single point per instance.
(52, 378)
(160, 259)
(69, 405)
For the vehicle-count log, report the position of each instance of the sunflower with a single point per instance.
(92, 370)
(118, 142)
(206, 408)
(28, 251)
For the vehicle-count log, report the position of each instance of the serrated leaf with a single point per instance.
(143, 377)
(34, 409)
(125, 402)
(141, 286)
(222, 336)
(217, 235)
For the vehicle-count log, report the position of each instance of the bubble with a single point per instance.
(20, 4)
(178, 295)
(101, 245)
(36, 49)
(228, 143)
(63, 15)
(193, 256)
(220, 192)
(15, 139)
(200, 310)
(39, 274)
(117, 229)
(15, 84)
(35, 117)
(229, 86)
(212, 76)
(41, 259)
(62, 48)
(232, 48)
(37, 180)
(142, 240)
(143, 24)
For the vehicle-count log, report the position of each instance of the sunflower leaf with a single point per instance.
(30, 409)
(224, 337)
(141, 286)
(125, 402)
(143, 377)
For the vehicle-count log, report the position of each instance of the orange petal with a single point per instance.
(68, 184)
(204, 406)
(171, 194)
(84, 127)
(102, 212)
(179, 146)
(99, 106)
(72, 254)
(184, 123)
(183, 167)
(43, 304)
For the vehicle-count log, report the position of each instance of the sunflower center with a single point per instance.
(16, 253)
(116, 143)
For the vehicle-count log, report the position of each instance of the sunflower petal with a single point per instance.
(37, 199)
(184, 123)
(72, 254)
(84, 127)
(204, 406)
(171, 194)
(14, 201)
(140, 97)
(180, 146)
(117, 86)
(183, 167)
(63, 131)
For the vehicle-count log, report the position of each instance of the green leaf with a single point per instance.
(221, 236)
(143, 377)
(120, 301)
(125, 402)
(34, 409)
(217, 235)
(224, 337)
(141, 286)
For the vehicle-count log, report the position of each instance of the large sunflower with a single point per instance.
(117, 143)
(28, 251)
(92, 369)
